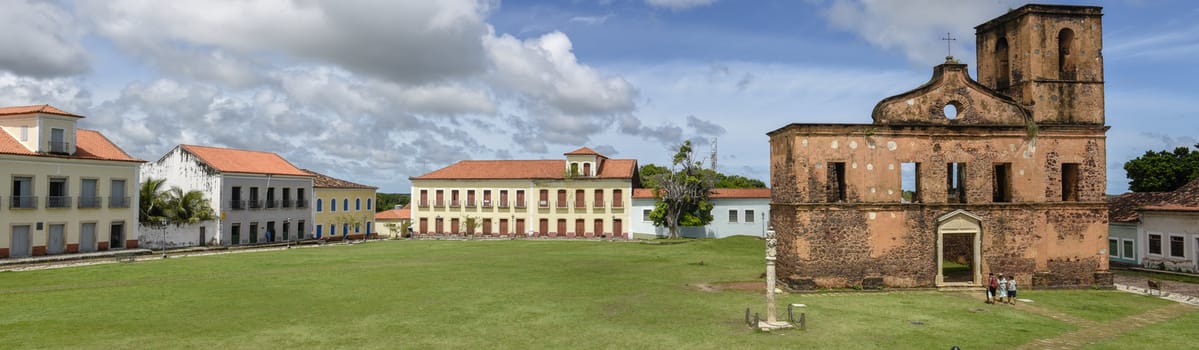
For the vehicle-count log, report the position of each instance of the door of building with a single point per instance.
(616, 227)
(56, 242)
(253, 232)
(87, 237)
(19, 246)
(116, 235)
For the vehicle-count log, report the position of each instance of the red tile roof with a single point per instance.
(646, 193)
(394, 214)
(584, 151)
(89, 144)
(1188, 208)
(48, 109)
(244, 161)
(324, 181)
(524, 169)
(1124, 207)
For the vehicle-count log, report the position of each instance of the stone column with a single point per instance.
(771, 242)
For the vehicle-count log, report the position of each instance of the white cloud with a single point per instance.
(914, 27)
(40, 39)
(678, 5)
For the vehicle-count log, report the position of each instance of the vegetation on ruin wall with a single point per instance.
(498, 294)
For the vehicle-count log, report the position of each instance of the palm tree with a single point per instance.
(187, 207)
(151, 201)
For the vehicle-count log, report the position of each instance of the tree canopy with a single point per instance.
(388, 201)
(1161, 171)
(683, 193)
(174, 206)
(650, 172)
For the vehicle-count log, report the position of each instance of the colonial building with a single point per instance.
(343, 209)
(958, 178)
(393, 223)
(735, 211)
(584, 195)
(1156, 229)
(260, 197)
(72, 190)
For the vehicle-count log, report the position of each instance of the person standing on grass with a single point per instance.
(992, 285)
(1011, 290)
(1002, 289)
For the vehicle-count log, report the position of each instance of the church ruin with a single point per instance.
(958, 178)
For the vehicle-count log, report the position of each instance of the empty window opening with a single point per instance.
(574, 169)
(836, 182)
(586, 169)
(732, 215)
(1001, 192)
(1070, 182)
(1065, 57)
(1155, 244)
(955, 182)
(1002, 65)
(909, 178)
(951, 111)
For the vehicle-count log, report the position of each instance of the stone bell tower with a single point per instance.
(1048, 58)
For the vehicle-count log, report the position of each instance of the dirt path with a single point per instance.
(1092, 332)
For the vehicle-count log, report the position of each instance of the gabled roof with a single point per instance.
(647, 193)
(89, 144)
(47, 109)
(243, 161)
(1125, 207)
(584, 151)
(525, 170)
(324, 181)
(394, 214)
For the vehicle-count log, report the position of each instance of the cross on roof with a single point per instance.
(948, 38)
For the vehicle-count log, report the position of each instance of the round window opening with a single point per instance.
(951, 111)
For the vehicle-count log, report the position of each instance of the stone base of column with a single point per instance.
(769, 326)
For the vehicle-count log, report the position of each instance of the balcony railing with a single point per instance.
(118, 202)
(563, 204)
(255, 203)
(237, 204)
(470, 203)
(599, 203)
(543, 204)
(23, 202)
(271, 204)
(487, 203)
(59, 147)
(423, 203)
(503, 204)
(580, 204)
(89, 202)
(439, 203)
(520, 204)
(455, 203)
(58, 202)
(286, 203)
(301, 203)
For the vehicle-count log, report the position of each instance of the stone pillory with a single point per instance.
(958, 177)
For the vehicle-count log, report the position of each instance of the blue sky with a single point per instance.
(378, 91)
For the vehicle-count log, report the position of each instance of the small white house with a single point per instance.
(736, 211)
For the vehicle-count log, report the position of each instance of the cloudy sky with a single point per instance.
(378, 91)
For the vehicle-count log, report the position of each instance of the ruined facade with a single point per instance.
(1013, 182)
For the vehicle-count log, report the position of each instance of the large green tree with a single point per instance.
(388, 201)
(683, 193)
(1160, 171)
(187, 207)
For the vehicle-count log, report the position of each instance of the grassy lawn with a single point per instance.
(496, 294)
(1159, 276)
(1169, 335)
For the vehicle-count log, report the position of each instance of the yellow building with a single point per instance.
(393, 223)
(585, 195)
(343, 209)
(71, 190)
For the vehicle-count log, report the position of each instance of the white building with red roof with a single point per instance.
(71, 190)
(584, 195)
(259, 196)
(735, 211)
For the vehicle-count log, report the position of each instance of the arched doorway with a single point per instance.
(959, 247)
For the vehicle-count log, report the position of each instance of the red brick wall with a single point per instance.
(101, 246)
(39, 250)
(72, 248)
(131, 243)
(3, 252)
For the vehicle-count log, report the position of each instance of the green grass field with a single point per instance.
(504, 294)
